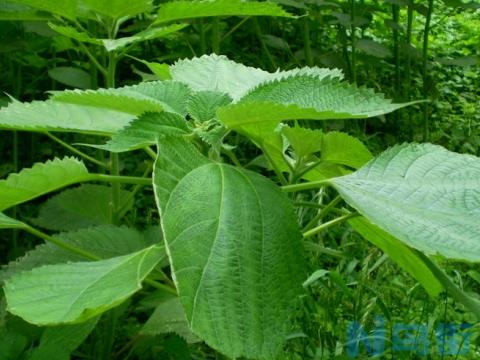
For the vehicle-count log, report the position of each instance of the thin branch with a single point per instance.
(305, 186)
(74, 150)
(135, 180)
(328, 224)
(60, 243)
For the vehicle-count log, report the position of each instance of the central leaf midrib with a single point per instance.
(260, 208)
(205, 267)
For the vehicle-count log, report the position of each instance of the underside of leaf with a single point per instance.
(136, 99)
(424, 195)
(218, 73)
(303, 97)
(57, 116)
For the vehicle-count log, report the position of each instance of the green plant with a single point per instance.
(231, 225)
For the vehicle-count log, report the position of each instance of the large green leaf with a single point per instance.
(145, 130)
(180, 10)
(68, 210)
(119, 43)
(67, 8)
(236, 254)
(218, 73)
(72, 9)
(42, 178)
(148, 34)
(56, 116)
(401, 254)
(423, 195)
(17, 11)
(117, 9)
(105, 242)
(75, 292)
(303, 97)
(176, 158)
(153, 96)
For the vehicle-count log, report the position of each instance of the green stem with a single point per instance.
(74, 150)
(134, 191)
(321, 214)
(15, 209)
(231, 155)
(342, 31)
(60, 243)
(160, 286)
(308, 204)
(274, 166)
(201, 31)
(117, 179)
(311, 246)
(300, 174)
(150, 152)
(352, 41)
(92, 58)
(115, 171)
(307, 43)
(470, 303)
(264, 46)
(233, 29)
(112, 67)
(114, 158)
(328, 224)
(408, 71)
(396, 49)
(305, 186)
(426, 31)
(216, 35)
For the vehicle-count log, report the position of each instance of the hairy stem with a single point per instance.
(74, 150)
(274, 166)
(426, 31)
(328, 225)
(353, 41)
(408, 71)
(321, 214)
(60, 243)
(264, 46)
(216, 36)
(307, 43)
(470, 303)
(305, 186)
(118, 179)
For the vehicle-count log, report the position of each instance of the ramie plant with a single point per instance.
(231, 235)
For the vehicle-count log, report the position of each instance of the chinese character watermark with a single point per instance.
(448, 339)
